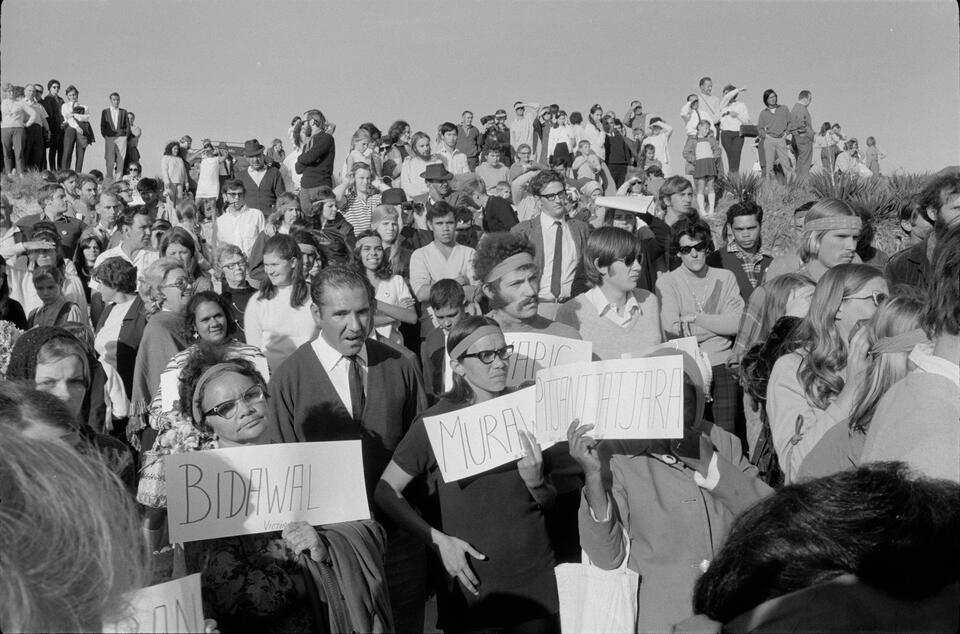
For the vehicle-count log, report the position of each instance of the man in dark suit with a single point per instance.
(53, 103)
(560, 243)
(344, 386)
(114, 128)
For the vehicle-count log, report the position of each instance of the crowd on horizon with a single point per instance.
(292, 298)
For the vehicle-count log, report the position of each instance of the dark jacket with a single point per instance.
(341, 226)
(129, 339)
(579, 230)
(431, 360)
(910, 267)
(106, 124)
(264, 196)
(723, 259)
(498, 215)
(315, 164)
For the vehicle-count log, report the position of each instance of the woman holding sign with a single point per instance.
(494, 543)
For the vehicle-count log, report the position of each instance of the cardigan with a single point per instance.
(263, 196)
(305, 407)
(609, 340)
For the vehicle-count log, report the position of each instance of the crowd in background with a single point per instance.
(292, 293)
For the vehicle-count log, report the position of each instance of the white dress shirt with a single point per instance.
(115, 117)
(568, 265)
(337, 368)
(240, 227)
(605, 309)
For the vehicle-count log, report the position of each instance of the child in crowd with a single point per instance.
(208, 184)
(360, 152)
(648, 157)
(872, 156)
(56, 310)
(492, 171)
(658, 135)
(702, 152)
(586, 164)
(449, 306)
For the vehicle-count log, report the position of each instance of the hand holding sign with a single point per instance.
(531, 465)
(583, 448)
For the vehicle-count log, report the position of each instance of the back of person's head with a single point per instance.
(809, 246)
(821, 372)
(893, 529)
(607, 245)
(576, 117)
(447, 293)
(187, 211)
(943, 313)
(70, 532)
(778, 293)
(891, 333)
(758, 361)
(118, 274)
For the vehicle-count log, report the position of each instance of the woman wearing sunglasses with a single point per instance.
(494, 543)
(817, 387)
(165, 289)
(614, 314)
(703, 302)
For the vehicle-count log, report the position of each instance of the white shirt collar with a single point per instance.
(547, 222)
(599, 301)
(331, 358)
(922, 356)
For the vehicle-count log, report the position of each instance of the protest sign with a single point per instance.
(533, 352)
(475, 439)
(622, 398)
(247, 490)
(174, 606)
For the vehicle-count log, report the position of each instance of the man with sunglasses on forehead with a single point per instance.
(704, 302)
(559, 242)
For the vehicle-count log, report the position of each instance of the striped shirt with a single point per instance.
(358, 212)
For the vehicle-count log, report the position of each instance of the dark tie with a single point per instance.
(556, 283)
(357, 397)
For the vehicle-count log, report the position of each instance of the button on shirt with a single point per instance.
(115, 117)
(337, 368)
(240, 227)
(607, 310)
(568, 264)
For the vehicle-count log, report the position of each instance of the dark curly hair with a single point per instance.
(494, 248)
(541, 180)
(204, 356)
(118, 274)
(692, 228)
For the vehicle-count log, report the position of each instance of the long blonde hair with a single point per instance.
(896, 316)
(824, 350)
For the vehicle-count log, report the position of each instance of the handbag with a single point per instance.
(749, 131)
(597, 600)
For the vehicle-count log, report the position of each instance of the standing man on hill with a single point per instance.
(801, 126)
(114, 128)
(52, 103)
(315, 163)
(468, 139)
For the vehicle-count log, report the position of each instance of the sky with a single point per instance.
(240, 69)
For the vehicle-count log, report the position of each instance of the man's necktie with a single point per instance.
(556, 283)
(355, 381)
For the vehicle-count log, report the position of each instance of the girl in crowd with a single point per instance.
(358, 194)
(395, 302)
(704, 302)
(278, 320)
(17, 117)
(872, 156)
(89, 247)
(397, 140)
(420, 156)
(180, 245)
(732, 116)
(827, 144)
(498, 578)
(231, 282)
(645, 514)
(386, 222)
(280, 222)
(54, 497)
(816, 387)
(702, 153)
(313, 257)
(593, 130)
(890, 336)
(648, 157)
(360, 152)
(165, 287)
(173, 170)
(329, 218)
(615, 315)
(850, 162)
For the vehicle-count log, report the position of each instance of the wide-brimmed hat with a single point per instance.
(436, 172)
(252, 148)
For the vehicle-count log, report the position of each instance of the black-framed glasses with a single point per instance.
(878, 297)
(486, 357)
(560, 195)
(184, 284)
(239, 265)
(228, 409)
(699, 247)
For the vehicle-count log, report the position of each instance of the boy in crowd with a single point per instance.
(492, 171)
(449, 305)
(742, 255)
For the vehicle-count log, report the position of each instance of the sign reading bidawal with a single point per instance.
(174, 606)
(475, 439)
(535, 352)
(621, 398)
(248, 490)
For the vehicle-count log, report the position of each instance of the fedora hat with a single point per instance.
(436, 172)
(252, 148)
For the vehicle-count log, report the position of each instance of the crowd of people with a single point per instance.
(282, 297)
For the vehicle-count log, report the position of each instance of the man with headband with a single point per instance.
(510, 282)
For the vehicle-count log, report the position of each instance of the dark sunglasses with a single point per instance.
(228, 409)
(699, 247)
(487, 356)
(878, 297)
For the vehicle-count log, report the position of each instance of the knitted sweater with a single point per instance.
(611, 341)
(676, 293)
